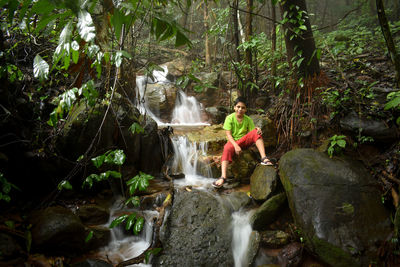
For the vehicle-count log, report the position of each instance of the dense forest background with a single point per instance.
(315, 61)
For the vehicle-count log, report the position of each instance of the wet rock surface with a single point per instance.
(336, 204)
(263, 182)
(196, 233)
(57, 230)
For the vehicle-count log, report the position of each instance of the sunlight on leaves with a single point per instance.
(40, 68)
(85, 26)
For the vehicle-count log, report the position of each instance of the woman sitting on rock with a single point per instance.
(241, 133)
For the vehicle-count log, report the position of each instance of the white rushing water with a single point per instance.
(186, 160)
(124, 246)
(187, 110)
(241, 230)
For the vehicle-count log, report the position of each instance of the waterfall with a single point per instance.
(186, 160)
(123, 245)
(187, 110)
(159, 76)
(241, 230)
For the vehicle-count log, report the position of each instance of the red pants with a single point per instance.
(244, 142)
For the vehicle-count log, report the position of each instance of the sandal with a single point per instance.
(215, 185)
(267, 162)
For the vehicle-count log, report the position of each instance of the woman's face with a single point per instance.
(240, 109)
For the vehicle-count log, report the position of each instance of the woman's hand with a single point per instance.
(259, 131)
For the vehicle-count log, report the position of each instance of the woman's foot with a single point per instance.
(219, 183)
(267, 162)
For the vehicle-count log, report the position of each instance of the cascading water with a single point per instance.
(241, 230)
(187, 115)
(186, 160)
(187, 110)
(125, 246)
(159, 76)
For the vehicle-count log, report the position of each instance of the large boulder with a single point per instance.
(379, 130)
(268, 212)
(84, 122)
(57, 230)
(196, 232)
(263, 182)
(267, 127)
(336, 205)
(91, 214)
(160, 99)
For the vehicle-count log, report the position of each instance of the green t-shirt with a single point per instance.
(238, 130)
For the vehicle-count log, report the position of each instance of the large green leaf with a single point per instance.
(64, 185)
(98, 161)
(85, 26)
(395, 102)
(40, 68)
(117, 21)
(118, 220)
(138, 225)
(116, 157)
(24, 9)
(134, 200)
(130, 221)
(64, 42)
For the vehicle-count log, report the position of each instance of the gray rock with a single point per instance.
(160, 99)
(93, 214)
(92, 263)
(196, 232)
(378, 130)
(274, 238)
(9, 247)
(336, 205)
(268, 212)
(267, 127)
(101, 237)
(254, 243)
(58, 230)
(263, 182)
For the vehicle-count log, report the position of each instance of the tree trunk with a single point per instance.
(206, 39)
(236, 36)
(396, 8)
(388, 38)
(298, 41)
(185, 14)
(324, 13)
(248, 52)
(273, 48)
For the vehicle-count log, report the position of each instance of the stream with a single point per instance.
(187, 117)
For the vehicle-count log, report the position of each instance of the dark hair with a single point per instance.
(240, 99)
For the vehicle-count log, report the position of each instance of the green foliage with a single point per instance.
(40, 68)
(393, 103)
(116, 157)
(6, 187)
(152, 251)
(164, 28)
(140, 181)
(133, 221)
(136, 128)
(335, 99)
(337, 144)
(67, 99)
(190, 79)
(12, 72)
(64, 184)
(89, 237)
